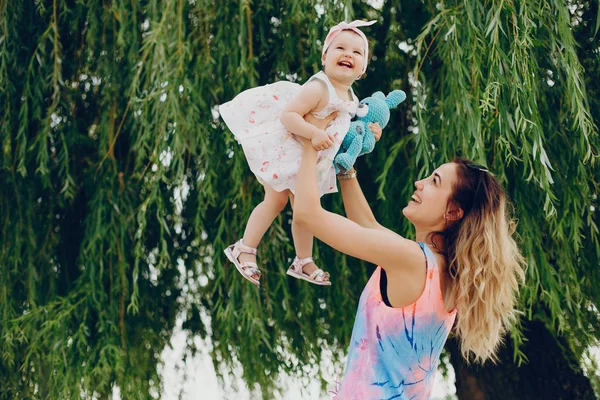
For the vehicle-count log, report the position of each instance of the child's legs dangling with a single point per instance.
(303, 243)
(261, 218)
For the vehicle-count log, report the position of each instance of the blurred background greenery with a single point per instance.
(122, 186)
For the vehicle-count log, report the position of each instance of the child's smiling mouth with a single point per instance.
(346, 64)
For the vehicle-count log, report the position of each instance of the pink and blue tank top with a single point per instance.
(394, 352)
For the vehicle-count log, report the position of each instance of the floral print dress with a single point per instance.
(273, 153)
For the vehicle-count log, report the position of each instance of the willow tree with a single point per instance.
(122, 186)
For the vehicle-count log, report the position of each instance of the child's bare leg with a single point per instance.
(303, 243)
(261, 218)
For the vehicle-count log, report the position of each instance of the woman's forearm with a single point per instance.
(307, 201)
(356, 205)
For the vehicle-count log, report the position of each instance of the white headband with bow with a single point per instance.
(352, 26)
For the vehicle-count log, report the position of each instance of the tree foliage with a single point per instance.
(122, 187)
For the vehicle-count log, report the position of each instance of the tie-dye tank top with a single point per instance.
(394, 352)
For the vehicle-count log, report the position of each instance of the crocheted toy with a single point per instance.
(360, 140)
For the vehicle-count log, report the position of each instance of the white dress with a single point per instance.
(272, 152)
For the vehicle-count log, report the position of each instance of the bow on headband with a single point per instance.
(352, 26)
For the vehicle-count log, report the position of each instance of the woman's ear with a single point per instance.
(453, 213)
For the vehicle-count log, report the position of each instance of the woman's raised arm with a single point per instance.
(380, 247)
(355, 204)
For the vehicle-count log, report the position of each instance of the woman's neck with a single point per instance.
(431, 239)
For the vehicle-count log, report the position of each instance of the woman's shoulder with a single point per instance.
(406, 256)
(437, 266)
(408, 275)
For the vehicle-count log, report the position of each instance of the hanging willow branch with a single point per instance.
(98, 259)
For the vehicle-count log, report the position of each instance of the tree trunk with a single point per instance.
(552, 372)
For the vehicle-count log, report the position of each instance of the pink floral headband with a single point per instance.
(352, 26)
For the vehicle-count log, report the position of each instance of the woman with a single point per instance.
(463, 270)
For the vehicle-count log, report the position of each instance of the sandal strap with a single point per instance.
(303, 261)
(250, 268)
(318, 273)
(239, 247)
(299, 263)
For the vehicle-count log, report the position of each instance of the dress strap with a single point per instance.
(431, 262)
(432, 282)
(356, 102)
(324, 78)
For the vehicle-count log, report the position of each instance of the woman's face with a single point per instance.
(430, 201)
(344, 59)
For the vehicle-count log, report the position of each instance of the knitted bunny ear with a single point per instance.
(394, 98)
(378, 95)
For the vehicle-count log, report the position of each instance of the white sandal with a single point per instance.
(317, 277)
(247, 268)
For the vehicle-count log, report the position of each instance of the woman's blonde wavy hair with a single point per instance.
(484, 262)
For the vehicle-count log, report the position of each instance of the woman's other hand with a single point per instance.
(321, 123)
(377, 131)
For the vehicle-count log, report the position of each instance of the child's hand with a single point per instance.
(377, 131)
(321, 140)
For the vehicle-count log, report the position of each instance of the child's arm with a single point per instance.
(312, 96)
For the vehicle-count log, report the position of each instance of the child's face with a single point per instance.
(345, 57)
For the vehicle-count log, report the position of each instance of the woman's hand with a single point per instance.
(321, 123)
(325, 122)
(376, 129)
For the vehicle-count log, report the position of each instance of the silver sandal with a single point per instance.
(246, 268)
(317, 277)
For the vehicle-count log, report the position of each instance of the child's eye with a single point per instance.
(357, 52)
(340, 47)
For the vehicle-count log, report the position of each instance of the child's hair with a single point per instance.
(484, 262)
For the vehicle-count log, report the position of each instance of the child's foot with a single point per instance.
(311, 267)
(249, 258)
(244, 259)
(306, 269)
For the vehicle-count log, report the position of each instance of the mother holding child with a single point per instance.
(462, 272)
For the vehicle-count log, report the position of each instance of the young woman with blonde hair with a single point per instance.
(463, 271)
